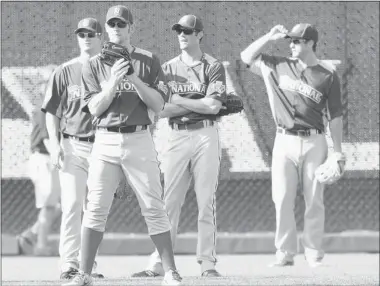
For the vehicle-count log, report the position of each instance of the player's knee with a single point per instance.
(157, 220)
(95, 216)
(94, 221)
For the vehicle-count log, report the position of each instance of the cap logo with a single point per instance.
(86, 22)
(117, 11)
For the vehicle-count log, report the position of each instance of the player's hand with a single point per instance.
(118, 71)
(277, 32)
(56, 157)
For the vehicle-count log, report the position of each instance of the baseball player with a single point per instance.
(121, 102)
(303, 92)
(45, 179)
(198, 89)
(63, 115)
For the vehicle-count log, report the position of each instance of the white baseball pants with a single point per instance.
(294, 162)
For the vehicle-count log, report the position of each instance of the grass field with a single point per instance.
(338, 269)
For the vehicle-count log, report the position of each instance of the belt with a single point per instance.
(304, 133)
(124, 129)
(84, 139)
(192, 126)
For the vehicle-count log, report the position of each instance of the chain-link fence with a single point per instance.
(36, 36)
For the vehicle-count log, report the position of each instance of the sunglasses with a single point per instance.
(297, 41)
(89, 35)
(185, 31)
(119, 24)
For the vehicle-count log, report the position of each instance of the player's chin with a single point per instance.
(115, 39)
(295, 54)
(183, 45)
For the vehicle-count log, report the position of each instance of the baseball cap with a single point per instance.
(89, 24)
(303, 31)
(119, 12)
(189, 22)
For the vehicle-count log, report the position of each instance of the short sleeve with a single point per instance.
(90, 85)
(157, 78)
(334, 98)
(217, 82)
(52, 102)
(263, 62)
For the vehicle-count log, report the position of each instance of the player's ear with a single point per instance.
(131, 28)
(200, 35)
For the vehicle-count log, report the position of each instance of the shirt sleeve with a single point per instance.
(166, 71)
(217, 82)
(157, 79)
(90, 85)
(39, 124)
(334, 98)
(263, 61)
(53, 95)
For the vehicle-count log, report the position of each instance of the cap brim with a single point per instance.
(119, 18)
(292, 36)
(176, 26)
(84, 29)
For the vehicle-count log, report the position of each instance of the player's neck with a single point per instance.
(309, 60)
(126, 44)
(84, 56)
(191, 57)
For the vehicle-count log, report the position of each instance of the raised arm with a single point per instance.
(258, 46)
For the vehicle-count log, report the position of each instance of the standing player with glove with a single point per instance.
(198, 90)
(301, 90)
(120, 96)
(62, 105)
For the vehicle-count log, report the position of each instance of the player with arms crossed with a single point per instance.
(303, 92)
(198, 89)
(62, 105)
(120, 97)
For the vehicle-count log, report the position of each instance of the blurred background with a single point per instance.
(37, 36)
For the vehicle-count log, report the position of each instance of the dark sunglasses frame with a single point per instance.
(119, 24)
(88, 34)
(185, 31)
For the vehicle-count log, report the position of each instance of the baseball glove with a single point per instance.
(234, 104)
(331, 170)
(111, 52)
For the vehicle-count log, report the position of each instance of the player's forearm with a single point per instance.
(255, 49)
(203, 105)
(151, 97)
(101, 101)
(336, 130)
(173, 110)
(52, 126)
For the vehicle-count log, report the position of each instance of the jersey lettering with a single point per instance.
(193, 87)
(287, 83)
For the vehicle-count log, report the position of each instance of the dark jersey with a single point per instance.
(207, 79)
(63, 99)
(299, 97)
(127, 108)
(39, 133)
